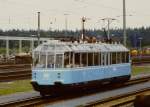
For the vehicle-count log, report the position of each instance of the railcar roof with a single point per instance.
(62, 47)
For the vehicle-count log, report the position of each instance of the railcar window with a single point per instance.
(127, 57)
(96, 59)
(90, 59)
(66, 60)
(123, 57)
(99, 58)
(102, 58)
(71, 59)
(106, 58)
(114, 57)
(77, 59)
(50, 61)
(59, 59)
(118, 58)
(84, 59)
(110, 58)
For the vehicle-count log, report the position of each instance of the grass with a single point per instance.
(15, 86)
(140, 70)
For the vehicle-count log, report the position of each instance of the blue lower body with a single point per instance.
(79, 75)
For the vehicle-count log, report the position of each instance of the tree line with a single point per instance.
(133, 34)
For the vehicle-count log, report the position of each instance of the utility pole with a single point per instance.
(108, 26)
(140, 48)
(9, 20)
(124, 24)
(83, 28)
(66, 23)
(38, 35)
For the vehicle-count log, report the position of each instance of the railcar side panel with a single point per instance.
(79, 75)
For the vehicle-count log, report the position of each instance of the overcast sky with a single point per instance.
(22, 14)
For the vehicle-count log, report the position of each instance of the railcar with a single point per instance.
(59, 66)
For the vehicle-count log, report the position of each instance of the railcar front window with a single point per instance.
(123, 57)
(35, 59)
(127, 57)
(42, 62)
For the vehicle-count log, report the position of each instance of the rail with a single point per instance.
(15, 72)
(119, 97)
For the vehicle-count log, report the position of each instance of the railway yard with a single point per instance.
(116, 95)
(74, 53)
(15, 72)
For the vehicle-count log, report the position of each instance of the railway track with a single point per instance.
(14, 72)
(13, 65)
(38, 100)
(141, 62)
(124, 100)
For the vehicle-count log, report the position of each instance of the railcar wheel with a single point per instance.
(43, 94)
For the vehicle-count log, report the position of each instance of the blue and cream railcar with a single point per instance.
(61, 65)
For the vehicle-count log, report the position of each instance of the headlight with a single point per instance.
(34, 75)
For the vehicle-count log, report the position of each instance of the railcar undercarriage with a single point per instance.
(60, 88)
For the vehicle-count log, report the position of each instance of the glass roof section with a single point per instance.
(58, 47)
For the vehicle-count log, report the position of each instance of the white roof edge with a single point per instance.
(80, 47)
